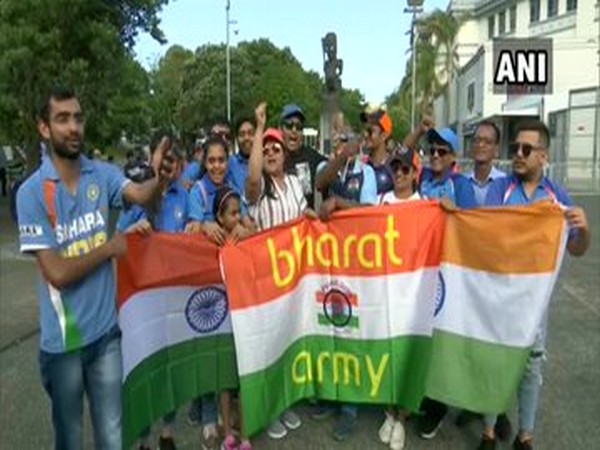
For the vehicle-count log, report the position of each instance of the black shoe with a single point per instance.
(520, 445)
(487, 443)
(503, 428)
(344, 426)
(166, 443)
(466, 417)
(431, 421)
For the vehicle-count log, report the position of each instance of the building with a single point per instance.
(571, 110)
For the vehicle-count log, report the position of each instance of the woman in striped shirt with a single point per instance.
(275, 197)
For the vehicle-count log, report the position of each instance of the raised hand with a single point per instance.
(261, 115)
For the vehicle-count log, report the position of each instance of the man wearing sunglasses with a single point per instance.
(526, 185)
(485, 148)
(439, 180)
(302, 159)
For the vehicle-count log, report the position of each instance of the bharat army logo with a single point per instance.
(207, 309)
(93, 192)
(440, 294)
(339, 306)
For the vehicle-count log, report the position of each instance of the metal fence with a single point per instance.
(577, 175)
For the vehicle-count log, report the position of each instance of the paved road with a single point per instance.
(570, 402)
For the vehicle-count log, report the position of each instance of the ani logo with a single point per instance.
(207, 309)
(339, 305)
(93, 192)
(440, 295)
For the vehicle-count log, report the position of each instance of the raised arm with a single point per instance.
(412, 140)
(255, 163)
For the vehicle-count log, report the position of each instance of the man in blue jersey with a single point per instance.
(63, 219)
(440, 181)
(238, 163)
(526, 185)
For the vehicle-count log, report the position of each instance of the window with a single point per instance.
(502, 23)
(491, 27)
(571, 5)
(471, 97)
(552, 8)
(534, 11)
(512, 17)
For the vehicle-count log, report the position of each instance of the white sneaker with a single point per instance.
(398, 439)
(277, 430)
(291, 420)
(385, 432)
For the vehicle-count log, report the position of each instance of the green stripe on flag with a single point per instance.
(475, 375)
(173, 376)
(323, 320)
(386, 372)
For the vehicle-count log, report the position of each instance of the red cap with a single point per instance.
(273, 134)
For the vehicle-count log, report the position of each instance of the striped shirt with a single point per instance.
(289, 204)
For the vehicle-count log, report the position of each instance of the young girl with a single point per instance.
(227, 212)
(404, 167)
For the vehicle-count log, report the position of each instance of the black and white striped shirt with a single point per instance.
(289, 204)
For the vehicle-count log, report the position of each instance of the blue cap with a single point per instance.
(446, 135)
(292, 110)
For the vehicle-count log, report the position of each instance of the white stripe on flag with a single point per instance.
(267, 329)
(154, 319)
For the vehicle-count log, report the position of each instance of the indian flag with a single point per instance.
(499, 268)
(338, 311)
(177, 341)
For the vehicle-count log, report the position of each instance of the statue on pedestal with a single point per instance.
(332, 65)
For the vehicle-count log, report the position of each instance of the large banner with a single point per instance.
(380, 305)
(386, 305)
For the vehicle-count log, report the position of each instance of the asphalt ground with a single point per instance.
(570, 405)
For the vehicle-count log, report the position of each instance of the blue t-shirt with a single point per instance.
(192, 173)
(171, 217)
(356, 183)
(453, 185)
(50, 217)
(238, 171)
(202, 197)
(480, 189)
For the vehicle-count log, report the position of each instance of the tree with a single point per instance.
(83, 43)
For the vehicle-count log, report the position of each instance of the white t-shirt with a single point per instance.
(389, 198)
(289, 204)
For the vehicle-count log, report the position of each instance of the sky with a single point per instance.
(371, 37)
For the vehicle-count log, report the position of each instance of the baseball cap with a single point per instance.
(273, 134)
(446, 135)
(292, 110)
(379, 117)
(404, 156)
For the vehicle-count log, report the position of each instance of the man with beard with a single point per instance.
(525, 186)
(301, 159)
(63, 221)
(238, 163)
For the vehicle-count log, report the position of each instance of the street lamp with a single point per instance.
(414, 7)
(228, 59)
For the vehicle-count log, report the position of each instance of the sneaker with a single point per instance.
(518, 444)
(503, 428)
(291, 420)
(245, 445)
(322, 412)
(277, 430)
(230, 443)
(385, 432)
(487, 443)
(431, 421)
(210, 437)
(398, 440)
(194, 416)
(344, 426)
(166, 443)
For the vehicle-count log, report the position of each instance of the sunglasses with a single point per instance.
(404, 169)
(441, 151)
(292, 125)
(275, 148)
(526, 149)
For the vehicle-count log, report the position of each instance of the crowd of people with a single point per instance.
(227, 195)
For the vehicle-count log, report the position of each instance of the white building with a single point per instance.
(570, 110)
